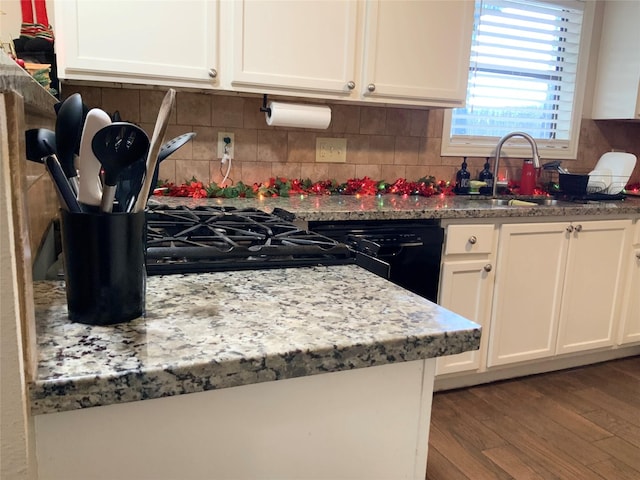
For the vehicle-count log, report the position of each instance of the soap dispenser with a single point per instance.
(487, 177)
(463, 177)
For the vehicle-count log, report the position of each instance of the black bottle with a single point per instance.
(463, 177)
(487, 177)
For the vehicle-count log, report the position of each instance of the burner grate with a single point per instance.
(183, 239)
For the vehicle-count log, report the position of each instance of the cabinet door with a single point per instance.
(137, 42)
(418, 50)
(296, 45)
(527, 292)
(465, 288)
(631, 317)
(617, 90)
(594, 284)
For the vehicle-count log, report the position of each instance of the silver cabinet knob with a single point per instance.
(473, 240)
(570, 228)
(213, 73)
(351, 85)
(488, 267)
(578, 228)
(638, 255)
(371, 87)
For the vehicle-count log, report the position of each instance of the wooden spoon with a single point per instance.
(156, 142)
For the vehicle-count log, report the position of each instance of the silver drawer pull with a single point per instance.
(488, 267)
(371, 87)
(473, 240)
(578, 228)
(570, 228)
(213, 73)
(351, 85)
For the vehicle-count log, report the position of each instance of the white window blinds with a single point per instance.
(522, 75)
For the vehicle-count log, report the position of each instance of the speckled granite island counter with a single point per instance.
(205, 332)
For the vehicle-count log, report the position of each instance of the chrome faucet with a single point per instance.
(534, 152)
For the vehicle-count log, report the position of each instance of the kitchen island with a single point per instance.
(260, 373)
(244, 375)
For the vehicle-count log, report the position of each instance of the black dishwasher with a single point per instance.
(412, 249)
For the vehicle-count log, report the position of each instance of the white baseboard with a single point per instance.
(467, 379)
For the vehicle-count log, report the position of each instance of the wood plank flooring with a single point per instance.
(577, 424)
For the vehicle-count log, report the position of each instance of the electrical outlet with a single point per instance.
(331, 150)
(221, 144)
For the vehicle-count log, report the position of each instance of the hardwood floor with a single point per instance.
(577, 424)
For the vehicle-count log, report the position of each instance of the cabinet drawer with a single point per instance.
(469, 239)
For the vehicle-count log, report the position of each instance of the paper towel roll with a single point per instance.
(298, 115)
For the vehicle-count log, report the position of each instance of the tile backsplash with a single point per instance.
(382, 142)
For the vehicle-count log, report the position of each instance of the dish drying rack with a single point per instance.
(585, 187)
(582, 186)
(606, 185)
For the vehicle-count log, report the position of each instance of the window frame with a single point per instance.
(516, 147)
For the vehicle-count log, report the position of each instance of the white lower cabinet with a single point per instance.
(466, 290)
(466, 286)
(594, 285)
(558, 288)
(630, 330)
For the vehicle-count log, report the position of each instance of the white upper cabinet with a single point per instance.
(294, 45)
(168, 42)
(417, 51)
(379, 51)
(617, 90)
(404, 52)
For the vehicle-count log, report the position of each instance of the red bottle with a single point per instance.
(528, 178)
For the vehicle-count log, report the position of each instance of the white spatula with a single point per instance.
(156, 142)
(90, 188)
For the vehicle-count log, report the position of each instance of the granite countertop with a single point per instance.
(224, 329)
(390, 207)
(12, 77)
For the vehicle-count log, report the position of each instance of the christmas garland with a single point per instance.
(283, 187)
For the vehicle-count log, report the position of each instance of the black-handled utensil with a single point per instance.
(130, 181)
(66, 195)
(36, 148)
(117, 146)
(68, 130)
(167, 149)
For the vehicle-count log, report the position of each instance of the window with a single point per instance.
(526, 73)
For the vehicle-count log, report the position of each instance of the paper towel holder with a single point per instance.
(264, 107)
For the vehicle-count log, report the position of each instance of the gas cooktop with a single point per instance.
(205, 239)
